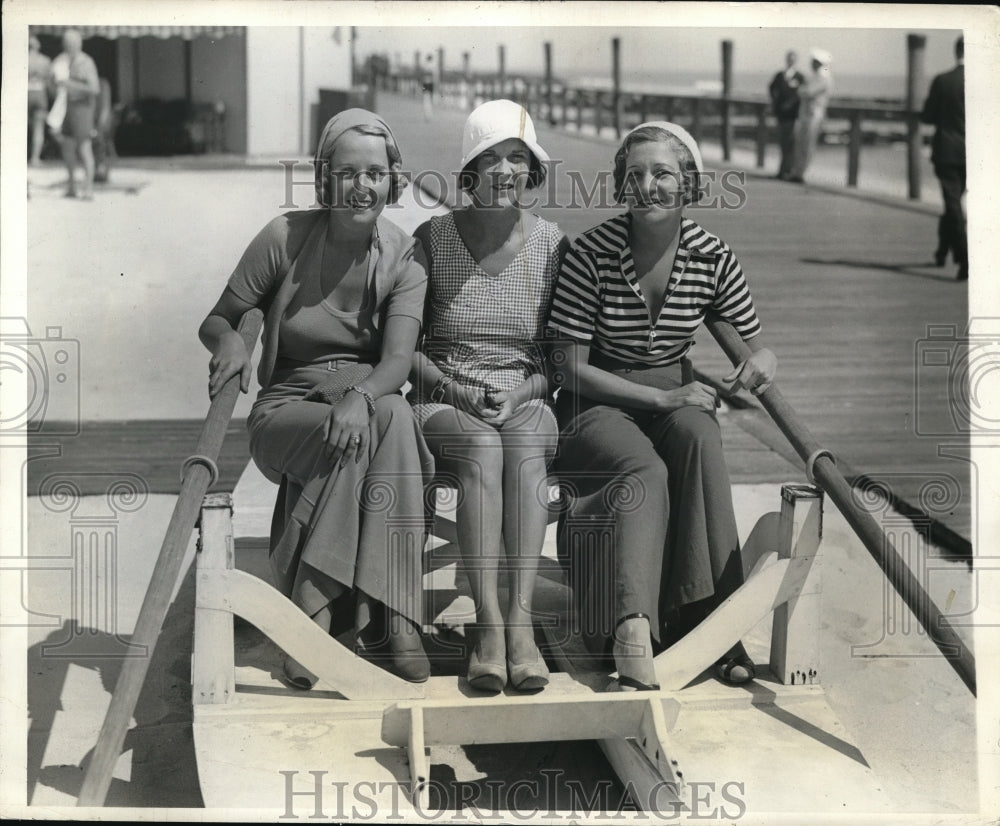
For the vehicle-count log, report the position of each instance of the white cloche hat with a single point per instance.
(495, 121)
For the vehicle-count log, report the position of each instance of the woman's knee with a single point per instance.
(531, 432)
(392, 406)
(463, 445)
(695, 426)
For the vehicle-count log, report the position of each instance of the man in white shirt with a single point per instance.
(814, 96)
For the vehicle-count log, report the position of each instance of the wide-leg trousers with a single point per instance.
(649, 525)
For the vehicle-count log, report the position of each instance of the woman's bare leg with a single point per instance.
(471, 451)
(529, 440)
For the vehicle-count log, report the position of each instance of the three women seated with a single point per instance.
(486, 312)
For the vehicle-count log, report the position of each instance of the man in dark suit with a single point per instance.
(945, 109)
(785, 104)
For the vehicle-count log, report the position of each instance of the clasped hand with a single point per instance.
(495, 407)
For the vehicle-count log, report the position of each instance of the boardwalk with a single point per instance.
(844, 288)
(842, 283)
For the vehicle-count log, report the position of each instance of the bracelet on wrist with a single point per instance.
(440, 388)
(368, 397)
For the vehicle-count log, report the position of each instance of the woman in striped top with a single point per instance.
(480, 387)
(651, 507)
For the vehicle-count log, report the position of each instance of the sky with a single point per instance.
(660, 49)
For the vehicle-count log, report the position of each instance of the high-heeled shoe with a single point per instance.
(409, 660)
(531, 675)
(735, 666)
(626, 682)
(298, 676)
(486, 675)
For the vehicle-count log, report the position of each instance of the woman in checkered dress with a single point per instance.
(481, 392)
(650, 534)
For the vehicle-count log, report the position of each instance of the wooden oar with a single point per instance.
(198, 473)
(825, 472)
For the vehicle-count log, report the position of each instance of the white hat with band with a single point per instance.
(494, 122)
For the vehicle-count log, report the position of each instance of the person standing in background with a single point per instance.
(814, 95)
(75, 74)
(784, 92)
(39, 68)
(945, 109)
(427, 86)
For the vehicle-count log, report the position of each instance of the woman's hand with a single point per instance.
(345, 432)
(469, 400)
(694, 394)
(230, 357)
(755, 373)
(502, 405)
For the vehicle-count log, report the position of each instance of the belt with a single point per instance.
(611, 364)
(336, 364)
(332, 365)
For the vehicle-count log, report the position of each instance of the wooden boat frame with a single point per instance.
(783, 579)
(633, 728)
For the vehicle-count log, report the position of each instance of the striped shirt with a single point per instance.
(598, 299)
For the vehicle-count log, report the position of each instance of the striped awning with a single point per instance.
(112, 32)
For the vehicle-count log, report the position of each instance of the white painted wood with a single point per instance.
(280, 619)
(795, 631)
(519, 718)
(774, 582)
(420, 770)
(213, 677)
(655, 742)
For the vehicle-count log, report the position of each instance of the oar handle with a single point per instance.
(198, 474)
(823, 470)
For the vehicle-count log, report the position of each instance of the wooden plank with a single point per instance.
(774, 583)
(282, 621)
(519, 718)
(152, 449)
(795, 629)
(213, 674)
(420, 770)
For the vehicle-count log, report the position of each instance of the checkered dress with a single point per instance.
(485, 330)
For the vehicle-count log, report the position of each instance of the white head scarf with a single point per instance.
(678, 132)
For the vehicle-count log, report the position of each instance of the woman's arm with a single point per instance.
(572, 373)
(398, 344)
(218, 333)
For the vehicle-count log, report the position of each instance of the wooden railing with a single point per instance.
(711, 117)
